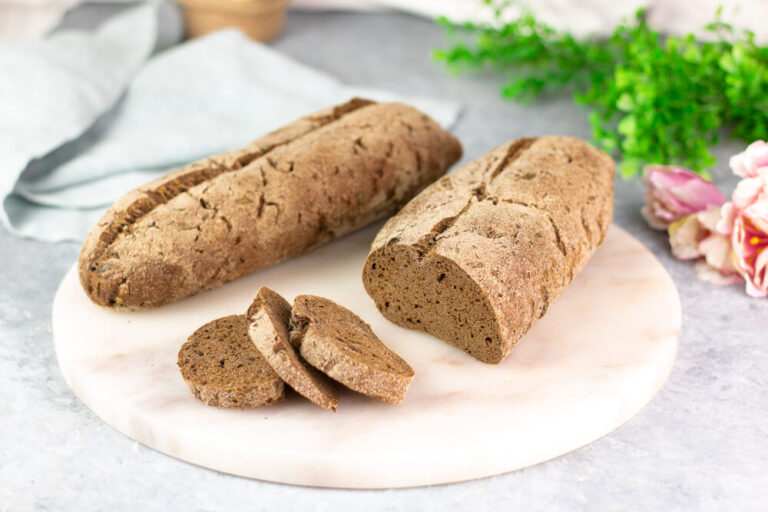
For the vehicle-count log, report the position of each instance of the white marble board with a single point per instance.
(599, 355)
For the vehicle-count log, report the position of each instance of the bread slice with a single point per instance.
(223, 368)
(269, 315)
(338, 343)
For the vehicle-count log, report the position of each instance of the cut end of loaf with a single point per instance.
(434, 295)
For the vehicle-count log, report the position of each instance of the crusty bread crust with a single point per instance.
(223, 368)
(269, 315)
(480, 255)
(219, 219)
(341, 345)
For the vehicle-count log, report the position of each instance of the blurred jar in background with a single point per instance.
(260, 20)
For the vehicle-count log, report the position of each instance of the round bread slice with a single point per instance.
(223, 368)
(341, 345)
(269, 315)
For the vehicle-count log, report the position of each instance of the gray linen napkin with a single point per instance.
(203, 97)
(52, 90)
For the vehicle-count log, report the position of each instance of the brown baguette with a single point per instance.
(479, 256)
(219, 219)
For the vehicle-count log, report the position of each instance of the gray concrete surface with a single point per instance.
(702, 444)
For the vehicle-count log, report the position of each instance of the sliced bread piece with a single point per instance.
(340, 344)
(222, 367)
(269, 315)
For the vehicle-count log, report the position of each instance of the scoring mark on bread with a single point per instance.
(480, 193)
(515, 150)
(125, 219)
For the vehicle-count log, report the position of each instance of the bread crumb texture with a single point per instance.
(341, 345)
(269, 316)
(222, 366)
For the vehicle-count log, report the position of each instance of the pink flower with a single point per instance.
(685, 235)
(695, 237)
(748, 163)
(674, 192)
(750, 247)
(748, 192)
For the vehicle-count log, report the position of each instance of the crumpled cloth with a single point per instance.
(80, 124)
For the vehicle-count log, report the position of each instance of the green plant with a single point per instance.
(653, 99)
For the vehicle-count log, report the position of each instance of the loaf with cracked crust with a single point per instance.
(221, 218)
(480, 255)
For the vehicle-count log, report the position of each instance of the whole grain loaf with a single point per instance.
(223, 368)
(269, 316)
(340, 344)
(480, 255)
(218, 219)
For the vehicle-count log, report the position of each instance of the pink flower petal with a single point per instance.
(727, 217)
(747, 163)
(709, 274)
(736, 164)
(717, 253)
(757, 156)
(755, 292)
(761, 271)
(674, 192)
(685, 236)
(652, 219)
(710, 217)
(698, 194)
(750, 247)
(749, 191)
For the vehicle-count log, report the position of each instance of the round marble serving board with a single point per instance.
(598, 356)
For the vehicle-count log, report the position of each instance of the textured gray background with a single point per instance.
(702, 444)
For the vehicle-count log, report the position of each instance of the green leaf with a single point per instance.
(627, 126)
(629, 167)
(649, 98)
(625, 102)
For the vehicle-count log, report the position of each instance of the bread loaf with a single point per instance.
(305, 184)
(480, 255)
(341, 345)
